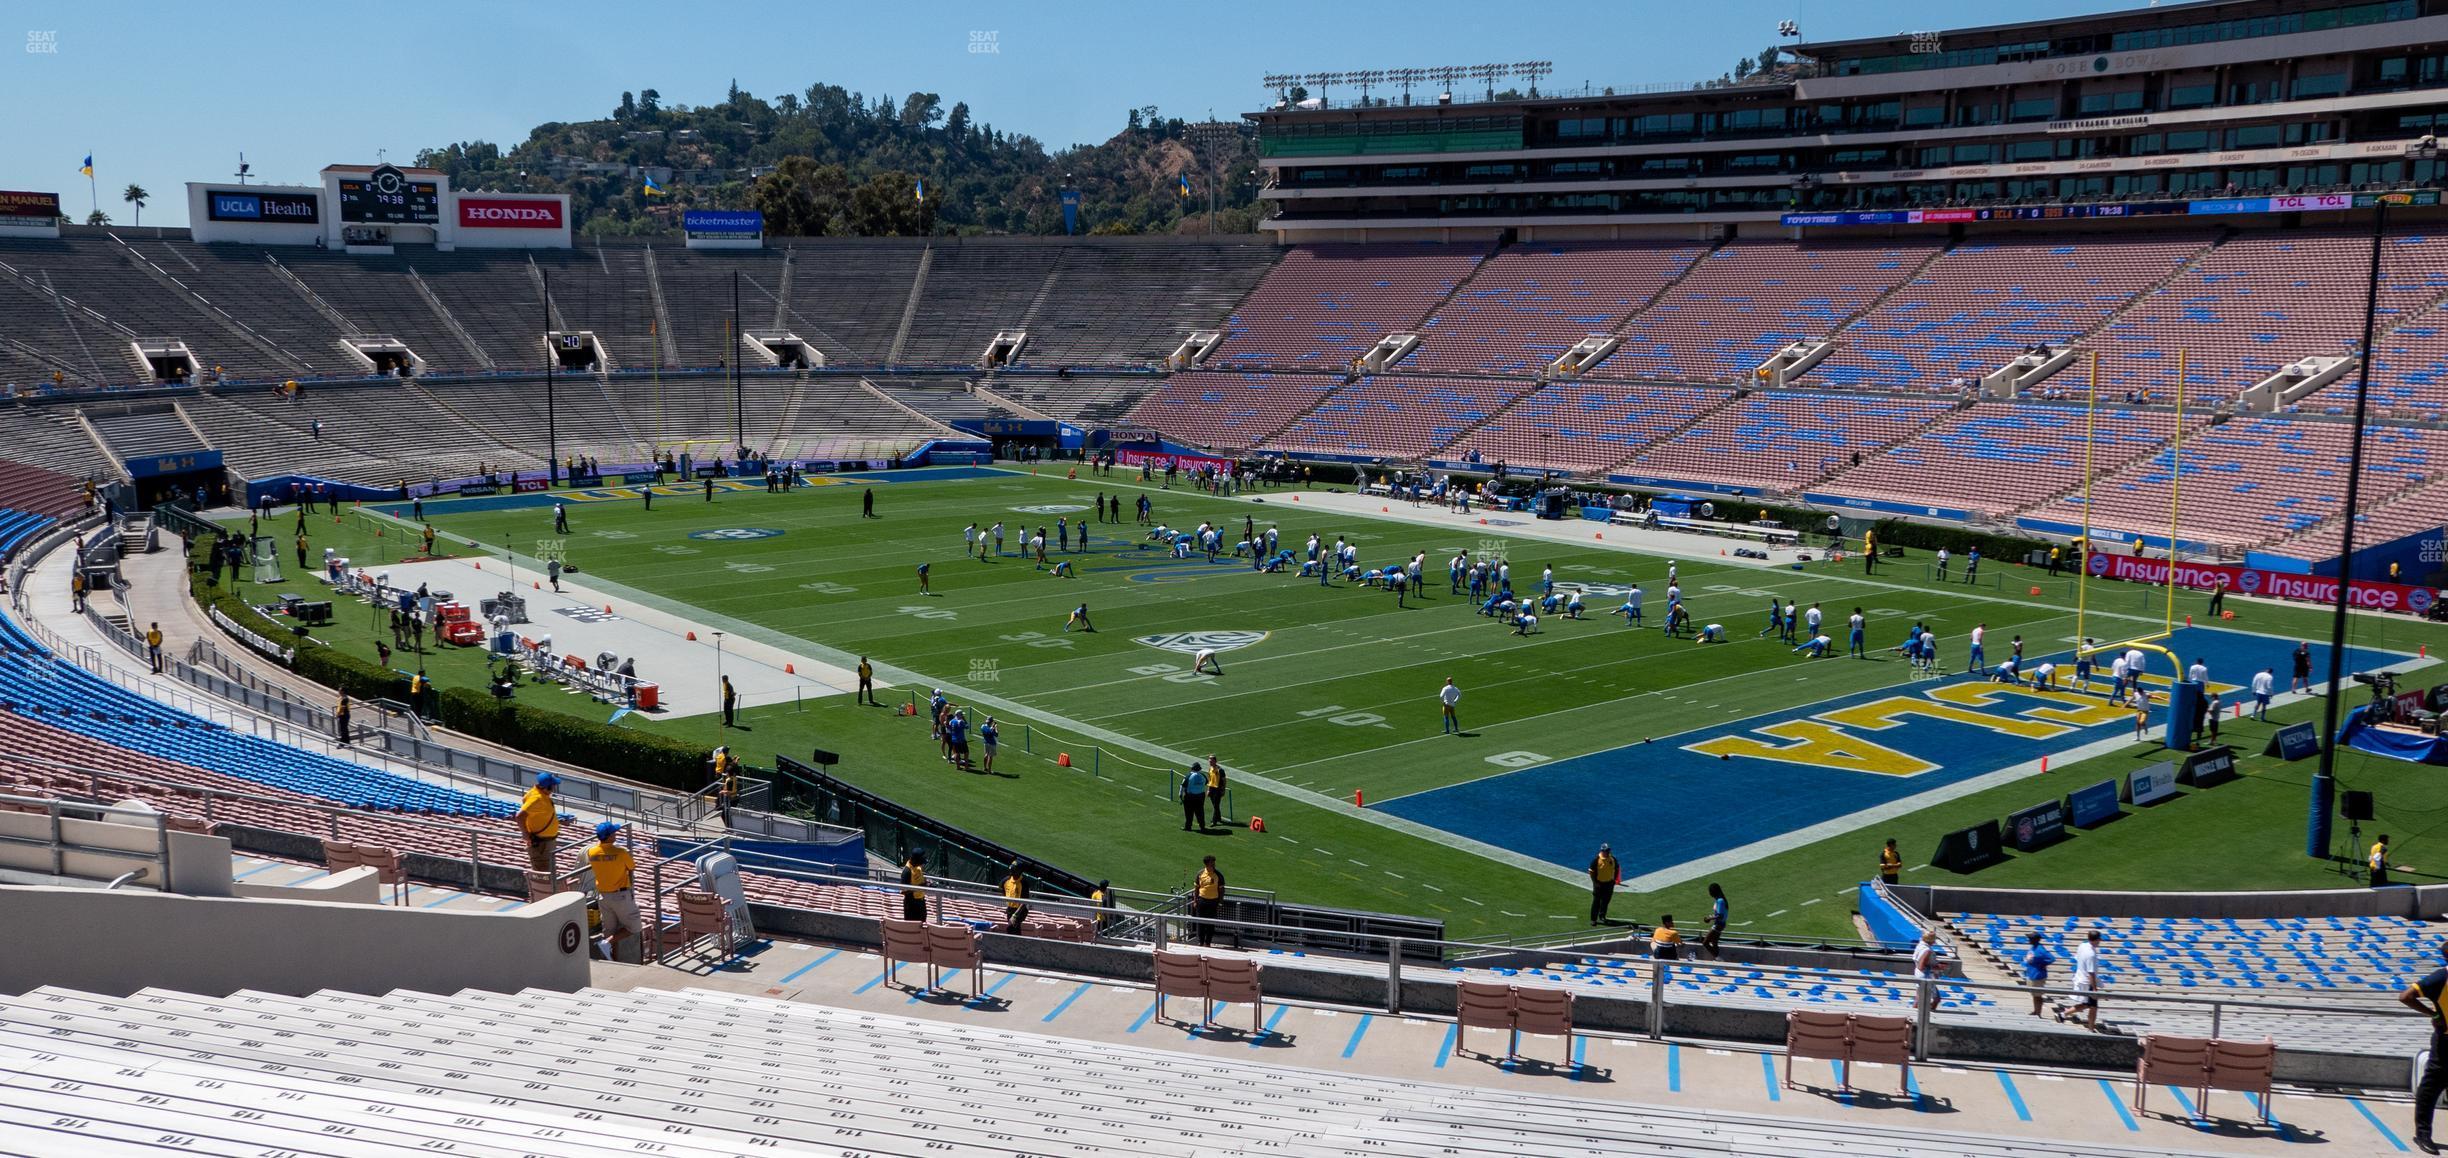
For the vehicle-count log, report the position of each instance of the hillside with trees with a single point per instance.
(830, 162)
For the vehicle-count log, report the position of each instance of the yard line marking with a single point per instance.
(1430, 887)
(1475, 902)
(1392, 873)
(1260, 1038)
(1776, 914)
(811, 965)
(2376, 1123)
(1810, 902)
(2013, 1095)
(1361, 863)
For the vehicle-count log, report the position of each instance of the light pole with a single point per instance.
(718, 668)
(2324, 780)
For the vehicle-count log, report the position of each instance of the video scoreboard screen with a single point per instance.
(387, 197)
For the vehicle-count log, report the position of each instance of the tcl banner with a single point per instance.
(2268, 584)
(1160, 461)
(508, 213)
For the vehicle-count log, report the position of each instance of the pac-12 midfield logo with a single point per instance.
(737, 534)
(1052, 509)
(1192, 642)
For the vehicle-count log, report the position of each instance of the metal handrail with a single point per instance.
(57, 844)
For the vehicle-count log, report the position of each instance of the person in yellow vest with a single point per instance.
(1102, 897)
(153, 642)
(1207, 900)
(866, 684)
(1665, 941)
(340, 720)
(1604, 871)
(614, 902)
(913, 892)
(1015, 899)
(1891, 863)
(76, 591)
(540, 822)
(2379, 862)
(429, 538)
(726, 782)
(2053, 562)
(1869, 553)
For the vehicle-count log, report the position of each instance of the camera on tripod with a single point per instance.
(2384, 694)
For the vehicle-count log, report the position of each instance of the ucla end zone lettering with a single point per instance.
(1767, 776)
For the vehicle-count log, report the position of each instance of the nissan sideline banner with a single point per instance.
(508, 213)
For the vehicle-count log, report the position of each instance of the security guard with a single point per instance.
(913, 896)
(614, 869)
(1891, 864)
(1207, 899)
(540, 821)
(1015, 899)
(1604, 871)
(2379, 862)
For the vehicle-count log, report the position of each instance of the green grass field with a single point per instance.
(1338, 695)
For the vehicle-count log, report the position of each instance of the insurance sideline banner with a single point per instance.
(2270, 584)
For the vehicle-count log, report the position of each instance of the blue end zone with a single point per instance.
(1663, 804)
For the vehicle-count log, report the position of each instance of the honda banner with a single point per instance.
(2268, 584)
(509, 213)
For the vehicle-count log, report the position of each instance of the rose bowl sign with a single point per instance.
(2267, 584)
(509, 213)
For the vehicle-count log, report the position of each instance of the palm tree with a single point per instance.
(97, 217)
(136, 196)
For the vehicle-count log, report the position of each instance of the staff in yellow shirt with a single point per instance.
(2379, 862)
(1891, 863)
(1207, 900)
(540, 822)
(614, 870)
(1015, 899)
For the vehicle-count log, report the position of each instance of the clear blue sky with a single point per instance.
(163, 93)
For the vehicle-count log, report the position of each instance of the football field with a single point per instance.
(1689, 758)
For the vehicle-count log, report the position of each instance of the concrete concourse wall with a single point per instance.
(119, 942)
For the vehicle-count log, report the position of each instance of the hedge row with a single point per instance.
(624, 752)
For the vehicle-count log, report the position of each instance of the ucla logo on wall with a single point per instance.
(737, 534)
(1193, 642)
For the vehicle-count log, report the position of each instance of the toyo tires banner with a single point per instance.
(2267, 584)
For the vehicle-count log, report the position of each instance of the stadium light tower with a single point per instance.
(1532, 70)
(1445, 75)
(1490, 74)
(1365, 78)
(552, 427)
(1213, 140)
(1406, 77)
(2324, 779)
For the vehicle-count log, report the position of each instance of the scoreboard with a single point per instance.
(387, 197)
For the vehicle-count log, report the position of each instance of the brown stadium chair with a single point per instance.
(1882, 1040)
(1545, 1011)
(1234, 981)
(905, 942)
(1813, 1033)
(2182, 1062)
(705, 915)
(1483, 1005)
(2242, 1066)
(955, 947)
(1179, 975)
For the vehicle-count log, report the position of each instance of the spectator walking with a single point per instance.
(540, 822)
(153, 644)
(1015, 899)
(913, 886)
(1194, 798)
(1207, 900)
(2426, 997)
(2086, 982)
(1891, 864)
(1604, 872)
(552, 571)
(1925, 967)
(1718, 912)
(614, 901)
(1450, 698)
(560, 519)
(2036, 962)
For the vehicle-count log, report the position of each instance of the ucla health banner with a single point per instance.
(2268, 584)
